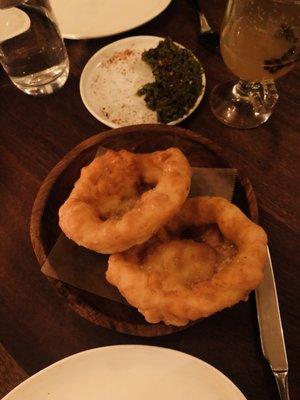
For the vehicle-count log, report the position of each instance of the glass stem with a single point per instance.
(270, 94)
(261, 95)
(245, 88)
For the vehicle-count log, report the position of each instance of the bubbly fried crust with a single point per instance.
(121, 199)
(159, 277)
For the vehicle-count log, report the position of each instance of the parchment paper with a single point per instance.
(85, 269)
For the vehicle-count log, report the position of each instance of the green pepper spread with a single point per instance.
(178, 81)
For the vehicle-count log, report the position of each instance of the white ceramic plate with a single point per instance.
(87, 19)
(128, 372)
(111, 78)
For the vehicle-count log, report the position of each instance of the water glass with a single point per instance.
(32, 51)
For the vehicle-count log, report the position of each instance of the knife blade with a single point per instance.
(270, 327)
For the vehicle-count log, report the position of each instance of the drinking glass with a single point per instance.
(32, 51)
(259, 43)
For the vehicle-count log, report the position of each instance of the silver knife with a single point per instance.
(271, 334)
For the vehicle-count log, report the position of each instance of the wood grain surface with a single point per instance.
(11, 374)
(37, 327)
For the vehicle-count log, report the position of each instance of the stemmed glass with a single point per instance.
(260, 42)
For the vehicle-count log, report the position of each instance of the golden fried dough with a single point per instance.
(176, 280)
(121, 199)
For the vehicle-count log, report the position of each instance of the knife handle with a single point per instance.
(282, 384)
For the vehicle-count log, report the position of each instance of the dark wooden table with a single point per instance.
(37, 328)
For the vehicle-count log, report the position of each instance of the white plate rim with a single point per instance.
(76, 36)
(106, 121)
(76, 356)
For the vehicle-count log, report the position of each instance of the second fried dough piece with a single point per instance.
(121, 199)
(176, 281)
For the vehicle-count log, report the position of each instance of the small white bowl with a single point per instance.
(111, 78)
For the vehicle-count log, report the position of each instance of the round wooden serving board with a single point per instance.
(44, 229)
